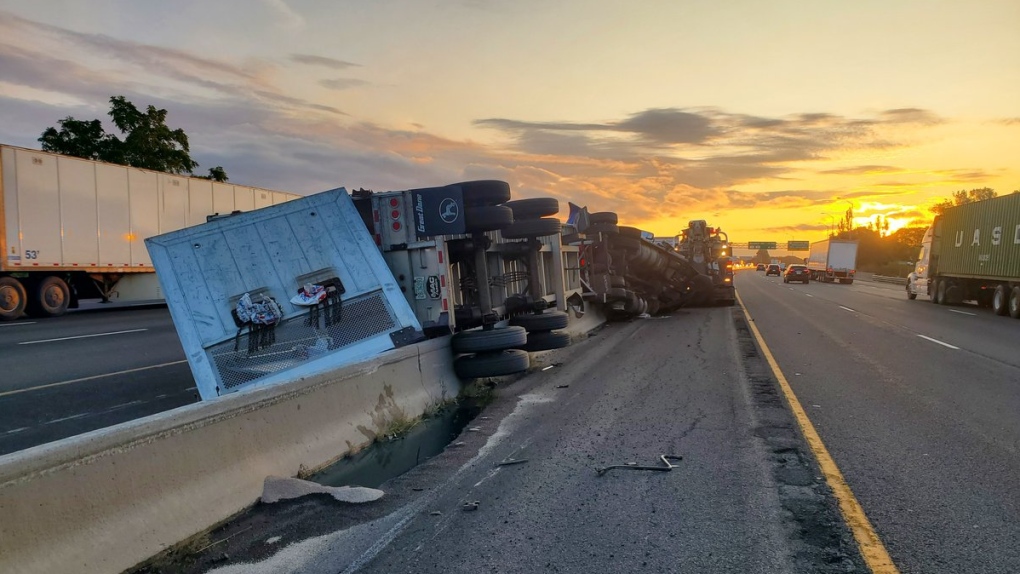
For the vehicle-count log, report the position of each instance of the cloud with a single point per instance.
(322, 61)
(342, 83)
(863, 170)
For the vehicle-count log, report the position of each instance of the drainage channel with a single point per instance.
(390, 458)
(264, 528)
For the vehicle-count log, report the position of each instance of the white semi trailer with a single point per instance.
(71, 227)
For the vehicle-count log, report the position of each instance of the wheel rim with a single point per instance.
(53, 297)
(998, 299)
(9, 299)
(1014, 305)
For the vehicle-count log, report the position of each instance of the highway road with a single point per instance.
(87, 370)
(918, 405)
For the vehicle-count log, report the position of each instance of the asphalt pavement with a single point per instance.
(745, 497)
(918, 405)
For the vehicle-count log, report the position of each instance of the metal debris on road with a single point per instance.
(562, 386)
(469, 506)
(510, 461)
(665, 458)
(435, 513)
(547, 368)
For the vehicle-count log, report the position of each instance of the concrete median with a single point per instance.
(107, 500)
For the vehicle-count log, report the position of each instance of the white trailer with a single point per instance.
(72, 228)
(833, 260)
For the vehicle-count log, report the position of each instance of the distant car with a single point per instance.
(761, 267)
(797, 273)
(773, 269)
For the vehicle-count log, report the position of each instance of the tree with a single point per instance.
(216, 174)
(147, 140)
(962, 197)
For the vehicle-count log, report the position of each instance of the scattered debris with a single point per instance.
(276, 488)
(510, 461)
(562, 386)
(273, 539)
(435, 513)
(475, 429)
(469, 506)
(665, 458)
(547, 368)
(459, 443)
(417, 489)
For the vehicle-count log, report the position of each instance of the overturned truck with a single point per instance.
(631, 275)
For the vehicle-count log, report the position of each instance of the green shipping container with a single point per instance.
(981, 239)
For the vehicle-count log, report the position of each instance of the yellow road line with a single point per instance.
(872, 549)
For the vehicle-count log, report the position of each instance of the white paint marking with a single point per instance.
(847, 309)
(77, 416)
(113, 408)
(13, 431)
(939, 342)
(963, 312)
(17, 324)
(93, 377)
(83, 336)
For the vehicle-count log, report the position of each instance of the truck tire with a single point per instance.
(487, 218)
(484, 192)
(532, 228)
(534, 208)
(607, 228)
(625, 243)
(12, 298)
(628, 231)
(1014, 303)
(603, 217)
(940, 292)
(51, 298)
(546, 341)
(542, 322)
(954, 295)
(1000, 300)
(506, 362)
(910, 294)
(480, 341)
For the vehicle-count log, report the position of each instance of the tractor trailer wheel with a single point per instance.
(12, 298)
(51, 296)
(1000, 300)
(1014, 303)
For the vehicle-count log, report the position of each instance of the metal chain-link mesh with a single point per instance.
(296, 340)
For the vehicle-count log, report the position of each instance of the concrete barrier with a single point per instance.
(107, 500)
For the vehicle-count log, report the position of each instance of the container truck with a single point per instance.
(972, 253)
(72, 228)
(833, 260)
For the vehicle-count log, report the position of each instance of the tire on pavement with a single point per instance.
(480, 341)
(495, 364)
(1014, 303)
(547, 341)
(12, 298)
(51, 298)
(1000, 300)
(542, 322)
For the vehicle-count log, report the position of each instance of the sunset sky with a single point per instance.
(761, 117)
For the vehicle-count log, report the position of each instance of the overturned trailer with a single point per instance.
(631, 274)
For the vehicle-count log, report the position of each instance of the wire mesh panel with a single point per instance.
(297, 339)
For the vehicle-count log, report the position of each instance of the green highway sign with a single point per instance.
(761, 244)
(797, 246)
